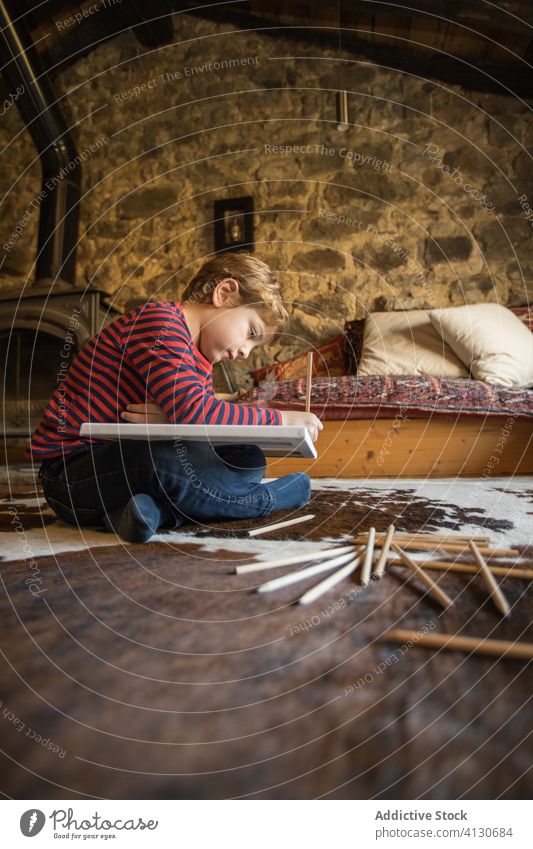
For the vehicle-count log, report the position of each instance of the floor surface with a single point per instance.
(154, 671)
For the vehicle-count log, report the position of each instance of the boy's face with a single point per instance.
(232, 332)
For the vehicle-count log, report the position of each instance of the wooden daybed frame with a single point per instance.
(427, 442)
(467, 446)
(411, 448)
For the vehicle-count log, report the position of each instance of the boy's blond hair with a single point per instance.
(257, 285)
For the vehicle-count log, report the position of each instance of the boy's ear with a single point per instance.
(226, 293)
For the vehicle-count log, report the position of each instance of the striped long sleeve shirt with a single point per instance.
(148, 354)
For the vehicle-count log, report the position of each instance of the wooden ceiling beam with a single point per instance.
(435, 63)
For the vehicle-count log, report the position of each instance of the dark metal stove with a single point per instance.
(41, 331)
(43, 326)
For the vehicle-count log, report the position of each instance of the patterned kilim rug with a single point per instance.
(154, 671)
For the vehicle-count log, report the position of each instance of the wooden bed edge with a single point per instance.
(479, 447)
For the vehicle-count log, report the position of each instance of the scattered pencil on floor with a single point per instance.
(309, 381)
(478, 645)
(349, 557)
(329, 582)
(260, 566)
(369, 554)
(468, 568)
(500, 602)
(302, 574)
(456, 547)
(402, 536)
(439, 595)
(379, 569)
(264, 530)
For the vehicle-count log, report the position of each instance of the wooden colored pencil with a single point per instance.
(264, 530)
(438, 594)
(443, 566)
(500, 602)
(329, 582)
(260, 566)
(302, 574)
(453, 548)
(309, 382)
(450, 538)
(438, 565)
(379, 568)
(432, 535)
(478, 645)
(366, 568)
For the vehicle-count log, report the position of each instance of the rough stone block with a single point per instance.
(332, 229)
(520, 276)
(17, 263)
(447, 249)
(522, 165)
(383, 303)
(385, 258)
(504, 197)
(147, 202)
(499, 134)
(497, 238)
(479, 285)
(365, 185)
(319, 260)
(469, 161)
(114, 229)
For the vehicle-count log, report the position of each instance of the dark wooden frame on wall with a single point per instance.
(240, 206)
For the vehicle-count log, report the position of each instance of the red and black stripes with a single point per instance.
(145, 355)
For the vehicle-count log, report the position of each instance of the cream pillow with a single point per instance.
(406, 343)
(489, 339)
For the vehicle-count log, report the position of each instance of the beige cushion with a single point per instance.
(490, 340)
(406, 343)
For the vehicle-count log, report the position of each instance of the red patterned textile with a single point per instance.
(328, 361)
(352, 397)
(525, 314)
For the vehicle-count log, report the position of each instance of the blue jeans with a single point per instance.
(192, 480)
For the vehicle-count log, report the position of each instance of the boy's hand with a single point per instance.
(309, 420)
(150, 413)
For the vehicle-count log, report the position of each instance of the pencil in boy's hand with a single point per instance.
(309, 382)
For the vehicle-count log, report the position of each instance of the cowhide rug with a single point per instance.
(154, 671)
(500, 509)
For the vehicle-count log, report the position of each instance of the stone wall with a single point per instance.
(424, 201)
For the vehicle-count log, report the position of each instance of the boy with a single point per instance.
(155, 364)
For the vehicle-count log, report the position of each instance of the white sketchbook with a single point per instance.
(275, 440)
